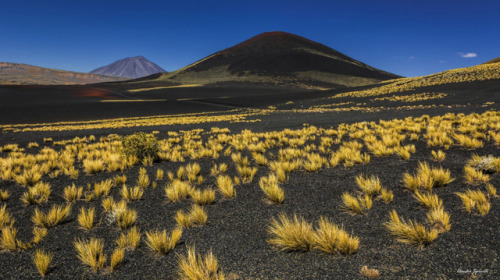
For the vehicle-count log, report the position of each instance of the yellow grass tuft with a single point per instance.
(93, 166)
(86, 218)
(475, 200)
(116, 258)
(8, 239)
(37, 194)
(475, 177)
(30, 176)
(314, 162)
(218, 169)
(468, 203)
(225, 185)
(72, 193)
(294, 234)
(199, 180)
(4, 195)
(33, 145)
(72, 172)
(439, 219)
(192, 171)
(56, 215)
(269, 185)
(366, 202)
(427, 178)
(483, 208)
(177, 190)
(180, 172)
(6, 219)
(125, 218)
(387, 195)
(413, 183)
(491, 190)
(129, 240)
(182, 219)
(282, 175)
(331, 239)
(158, 241)
(403, 152)
(203, 197)
(159, 174)
(143, 180)
(380, 149)
(107, 203)
(102, 188)
(411, 232)
(196, 217)
(119, 180)
(194, 266)
(247, 173)
(438, 156)
(147, 160)
(42, 261)
(131, 194)
(39, 234)
(237, 182)
(369, 185)
(429, 200)
(91, 253)
(441, 176)
(260, 159)
(468, 142)
(351, 204)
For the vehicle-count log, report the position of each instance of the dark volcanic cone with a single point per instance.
(280, 57)
(281, 53)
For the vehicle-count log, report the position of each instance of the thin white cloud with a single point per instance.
(411, 58)
(468, 55)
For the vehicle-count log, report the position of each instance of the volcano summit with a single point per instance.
(130, 67)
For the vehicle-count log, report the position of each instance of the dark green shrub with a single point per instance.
(141, 145)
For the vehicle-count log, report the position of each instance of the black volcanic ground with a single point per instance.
(35, 104)
(236, 229)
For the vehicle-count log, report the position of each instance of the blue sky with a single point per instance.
(405, 37)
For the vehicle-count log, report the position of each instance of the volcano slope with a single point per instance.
(276, 59)
(313, 148)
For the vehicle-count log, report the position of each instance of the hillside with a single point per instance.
(130, 67)
(23, 74)
(463, 87)
(495, 60)
(279, 59)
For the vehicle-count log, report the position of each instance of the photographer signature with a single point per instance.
(474, 271)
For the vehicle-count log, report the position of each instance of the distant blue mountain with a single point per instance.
(130, 67)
